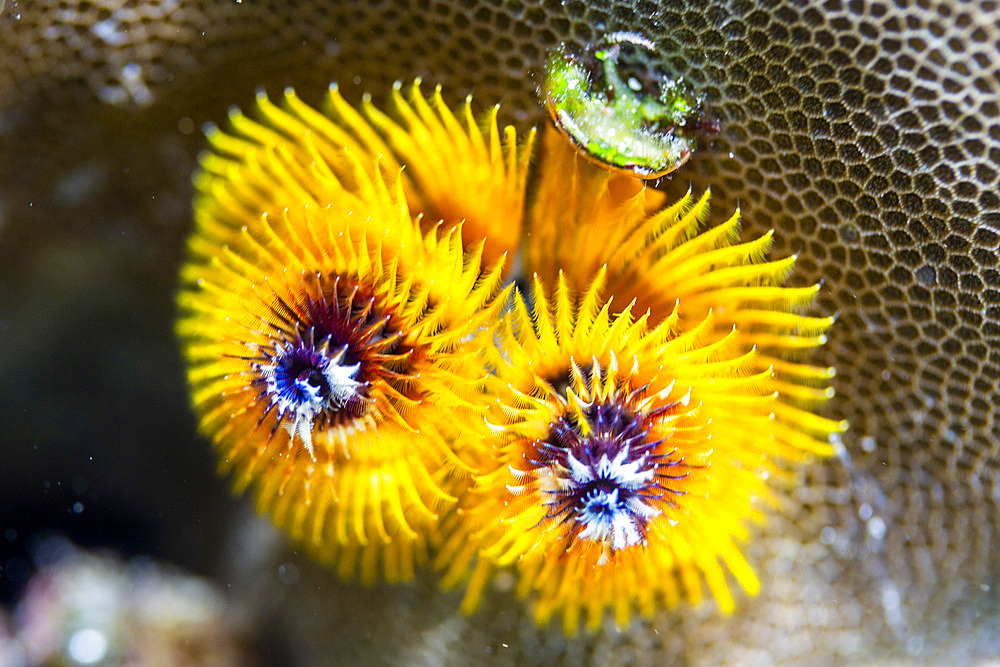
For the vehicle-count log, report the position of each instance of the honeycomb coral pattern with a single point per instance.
(866, 133)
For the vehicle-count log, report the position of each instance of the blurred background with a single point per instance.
(867, 133)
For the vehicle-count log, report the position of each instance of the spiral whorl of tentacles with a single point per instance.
(360, 357)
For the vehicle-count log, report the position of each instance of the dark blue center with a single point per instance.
(299, 374)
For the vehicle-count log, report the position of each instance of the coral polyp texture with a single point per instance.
(612, 434)
(332, 346)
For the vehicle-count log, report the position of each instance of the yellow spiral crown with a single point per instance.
(359, 357)
(333, 343)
